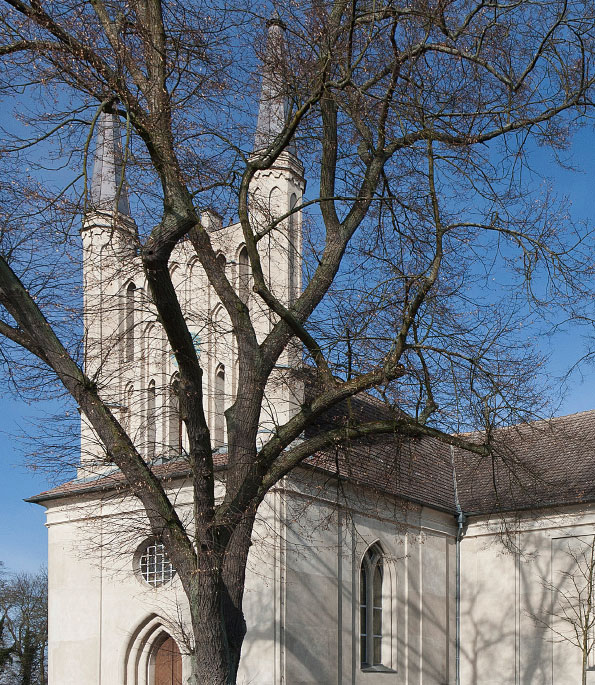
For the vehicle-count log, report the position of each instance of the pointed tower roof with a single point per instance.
(107, 167)
(274, 107)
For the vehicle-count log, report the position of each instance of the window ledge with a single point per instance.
(377, 669)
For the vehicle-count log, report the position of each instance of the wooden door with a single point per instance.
(168, 664)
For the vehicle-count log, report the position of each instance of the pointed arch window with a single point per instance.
(292, 261)
(129, 322)
(151, 420)
(219, 406)
(194, 284)
(175, 420)
(371, 607)
(244, 276)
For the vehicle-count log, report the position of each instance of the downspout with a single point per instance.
(461, 520)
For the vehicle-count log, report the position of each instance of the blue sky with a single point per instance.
(568, 346)
(23, 539)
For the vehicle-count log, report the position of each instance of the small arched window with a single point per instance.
(370, 592)
(151, 420)
(175, 421)
(292, 261)
(244, 276)
(219, 406)
(221, 262)
(129, 322)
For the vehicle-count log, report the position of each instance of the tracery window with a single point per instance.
(154, 564)
(371, 581)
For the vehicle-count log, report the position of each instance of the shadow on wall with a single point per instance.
(509, 618)
(318, 619)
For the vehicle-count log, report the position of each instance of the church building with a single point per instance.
(405, 563)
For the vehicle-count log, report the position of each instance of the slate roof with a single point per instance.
(542, 464)
(407, 469)
(168, 472)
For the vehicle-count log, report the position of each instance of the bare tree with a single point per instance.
(571, 618)
(416, 121)
(23, 611)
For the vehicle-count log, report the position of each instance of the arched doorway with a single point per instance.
(168, 664)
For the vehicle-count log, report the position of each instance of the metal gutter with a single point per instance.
(461, 520)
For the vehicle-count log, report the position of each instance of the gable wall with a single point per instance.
(301, 600)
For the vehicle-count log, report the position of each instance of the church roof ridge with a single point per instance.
(535, 424)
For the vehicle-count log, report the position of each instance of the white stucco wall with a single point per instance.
(509, 596)
(301, 601)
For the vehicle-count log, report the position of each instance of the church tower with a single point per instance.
(126, 351)
(108, 236)
(277, 191)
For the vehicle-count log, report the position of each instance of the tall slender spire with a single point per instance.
(107, 188)
(274, 107)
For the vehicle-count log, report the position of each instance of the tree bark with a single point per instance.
(216, 592)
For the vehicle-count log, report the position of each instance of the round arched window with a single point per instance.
(154, 565)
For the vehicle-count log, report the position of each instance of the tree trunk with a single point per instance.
(209, 659)
(27, 658)
(216, 594)
(234, 576)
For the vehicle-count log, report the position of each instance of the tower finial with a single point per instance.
(274, 108)
(108, 192)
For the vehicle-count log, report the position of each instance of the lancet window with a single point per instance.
(371, 609)
(244, 276)
(151, 420)
(175, 421)
(292, 261)
(129, 322)
(219, 406)
(127, 409)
